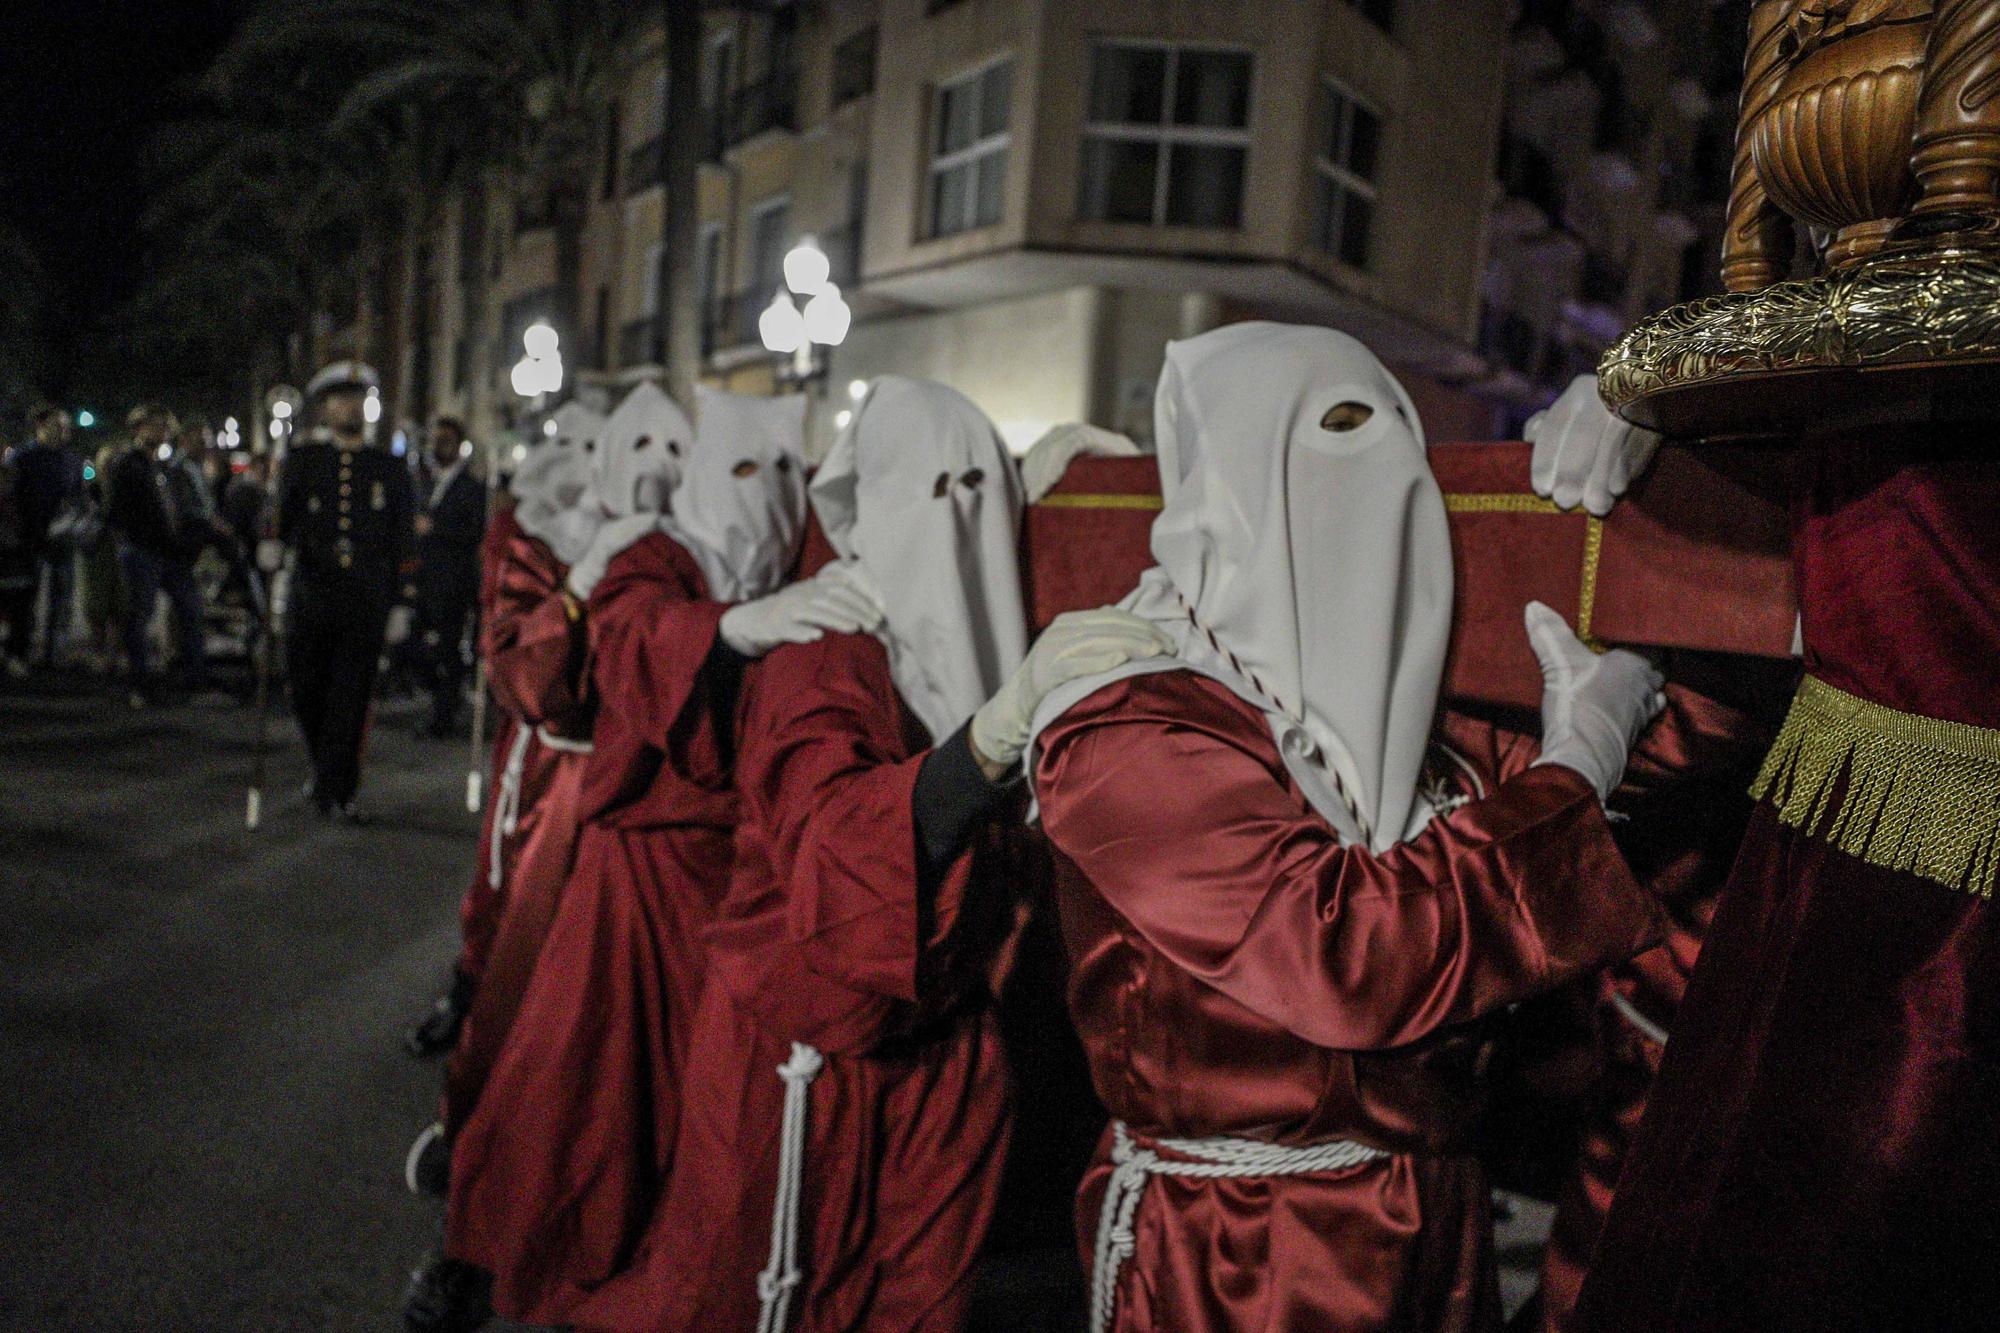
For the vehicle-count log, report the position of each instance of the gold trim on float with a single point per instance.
(1513, 502)
(1099, 502)
(1920, 795)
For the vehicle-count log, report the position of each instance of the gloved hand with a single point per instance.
(836, 599)
(402, 618)
(1043, 465)
(614, 537)
(1079, 643)
(1594, 706)
(1582, 453)
(270, 555)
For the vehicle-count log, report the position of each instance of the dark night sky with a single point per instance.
(81, 84)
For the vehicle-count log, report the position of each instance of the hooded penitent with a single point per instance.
(1304, 560)
(740, 504)
(550, 488)
(639, 455)
(920, 492)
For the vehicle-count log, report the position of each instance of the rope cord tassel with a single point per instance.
(507, 804)
(782, 1276)
(1134, 1161)
(1916, 794)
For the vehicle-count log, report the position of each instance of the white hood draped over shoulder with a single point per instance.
(550, 490)
(920, 492)
(639, 454)
(1304, 561)
(739, 506)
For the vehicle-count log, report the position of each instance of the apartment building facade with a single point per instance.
(1027, 198)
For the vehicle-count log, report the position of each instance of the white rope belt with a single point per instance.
(564, 744)
(507, 805)
(1214, 1158)
(1645, 1026)
(781, 1276)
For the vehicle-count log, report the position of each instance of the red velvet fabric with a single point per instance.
(1684, 798)
(479, 907)
(825, 939)
(565, 1155)
(534, 658)
(1236, 971)
(1823, 1148)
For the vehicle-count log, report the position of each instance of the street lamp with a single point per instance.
(790, 331)
(541, 370)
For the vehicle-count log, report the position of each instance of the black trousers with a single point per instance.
(332, 650)
(445, 614)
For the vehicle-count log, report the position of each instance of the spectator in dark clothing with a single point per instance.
(152, 537)
(17, 576)
(49, 480)
(449, 526)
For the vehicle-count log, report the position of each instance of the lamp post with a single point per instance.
(540, 371)
(788, 330)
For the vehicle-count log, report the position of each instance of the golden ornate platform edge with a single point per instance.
(1925, 310)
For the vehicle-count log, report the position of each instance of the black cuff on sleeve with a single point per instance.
(950, 800)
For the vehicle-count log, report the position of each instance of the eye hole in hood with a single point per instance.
(745, 468)
(1344, 417)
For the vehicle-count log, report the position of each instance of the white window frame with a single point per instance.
(969, 156)
(758, 212)
(1164, 134)
(1339, 175)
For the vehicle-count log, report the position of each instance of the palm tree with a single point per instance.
(538, 73)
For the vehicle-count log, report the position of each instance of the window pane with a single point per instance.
(1118, 180)
(996, 88)
(1358, 218)
(1364, 143)
(767, 247)
(948, 200)
(1128, 85)
(1205, 186)
(957, 113)
(1212, 88)
(992, 173)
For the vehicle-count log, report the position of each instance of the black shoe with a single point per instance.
(427, 1168)
(446, 1296)
(437, 1031)
(347, 813)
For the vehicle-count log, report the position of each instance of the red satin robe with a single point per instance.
(535, 657)
(1684, 798)
(1823, 1145)
(1236, 971)
(823, 939)
(578, 1119)
(479, 908)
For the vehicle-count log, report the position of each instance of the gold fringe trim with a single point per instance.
(1081, 501)
(1922, 796)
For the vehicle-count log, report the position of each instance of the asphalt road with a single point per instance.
(203, 1099)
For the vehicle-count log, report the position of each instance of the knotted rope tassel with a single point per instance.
(507, 806)
(776, 1283)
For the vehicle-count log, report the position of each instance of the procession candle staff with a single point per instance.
(1292, 886)
(476, 747)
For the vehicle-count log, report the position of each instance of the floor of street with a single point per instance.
(204, 1100)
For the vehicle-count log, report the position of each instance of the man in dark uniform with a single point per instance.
(344, 510)
(450, 526)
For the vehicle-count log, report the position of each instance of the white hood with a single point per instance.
(920, 491)
(740, 505)
(1304, 560)
(549, 489)
(639, 455)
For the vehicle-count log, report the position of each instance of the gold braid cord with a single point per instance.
(1921, 796)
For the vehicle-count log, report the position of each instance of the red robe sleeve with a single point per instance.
(1171, 799)
(534, 653)
(828, 770)
(652, 628)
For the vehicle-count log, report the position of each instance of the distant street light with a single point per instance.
(827, 317)
(541, 370)
(86, 419)
(371, 407)
(781, 326)
(807, 267)
(789, 331)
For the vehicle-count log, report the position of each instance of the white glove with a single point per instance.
(835, 599)
(1583, 454)
(1043, 466)
(402, 618)
(1594, 706)
(270, 555)
(611, 539)
(1080, 643)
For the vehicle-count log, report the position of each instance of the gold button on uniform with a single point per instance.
(346, 560)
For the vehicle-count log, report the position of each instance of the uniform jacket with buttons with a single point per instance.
(347, 512)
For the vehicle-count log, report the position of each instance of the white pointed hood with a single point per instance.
(1304, 560)
(920, 491)
(740, 505)
(639, 454)
(549, 489)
